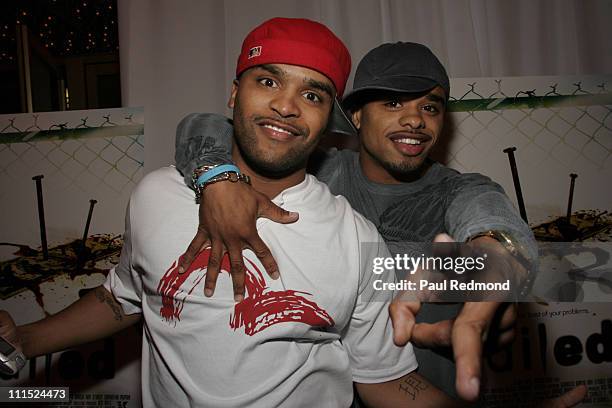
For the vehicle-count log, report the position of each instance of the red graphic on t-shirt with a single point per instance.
(261, 307)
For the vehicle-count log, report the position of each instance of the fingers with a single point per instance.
(198, 243)
(403, 314)
(502, 329)
(265, 256)
(267, 209)
(6, 323)
(467, 359)
(214, 265)
(237, 270)
(8, 329)
(237, 230)
(509, 316)
(468, 333)
(569, 399)
(431, 335)
(505, 338)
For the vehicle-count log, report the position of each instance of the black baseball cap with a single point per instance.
(404, 67)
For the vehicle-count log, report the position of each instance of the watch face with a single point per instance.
(5, 347)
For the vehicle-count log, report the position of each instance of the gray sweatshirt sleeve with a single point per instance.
(478, 205)
(202, 139)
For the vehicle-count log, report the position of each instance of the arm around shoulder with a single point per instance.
(202, 139)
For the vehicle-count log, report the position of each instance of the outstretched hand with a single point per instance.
(466, 333)
(228, 214)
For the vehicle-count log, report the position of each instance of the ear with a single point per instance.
(356, 117)
(232, 100)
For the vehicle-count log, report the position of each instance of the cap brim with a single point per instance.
(340, 121)
(403, 84)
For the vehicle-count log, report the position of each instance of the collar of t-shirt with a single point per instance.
(294, 193)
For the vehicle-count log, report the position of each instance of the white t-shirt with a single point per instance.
(297, 341)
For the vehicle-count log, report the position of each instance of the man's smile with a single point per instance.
(410, 143)
(278, 130)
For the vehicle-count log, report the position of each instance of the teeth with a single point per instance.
(408, 141)
(277, 129)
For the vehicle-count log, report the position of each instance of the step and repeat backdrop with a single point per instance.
(65, 180)
(559, 130)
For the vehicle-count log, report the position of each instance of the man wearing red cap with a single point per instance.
(301, 340)
(398, 103)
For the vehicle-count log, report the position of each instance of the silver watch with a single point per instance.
(11, 359)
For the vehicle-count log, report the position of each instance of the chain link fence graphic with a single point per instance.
(571, 125)
(85, 149)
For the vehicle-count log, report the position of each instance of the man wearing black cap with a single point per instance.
(398, 104)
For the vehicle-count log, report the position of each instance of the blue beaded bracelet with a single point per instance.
(215, 171)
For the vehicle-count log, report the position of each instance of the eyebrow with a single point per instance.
(435, 98)
(273, 70)
(321, 86)
(313, 83)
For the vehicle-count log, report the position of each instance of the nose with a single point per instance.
(284, 104)
(412, 117)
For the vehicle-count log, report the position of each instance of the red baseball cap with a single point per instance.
(297, 41)
(305, 43)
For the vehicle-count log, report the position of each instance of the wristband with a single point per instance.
(229, 176)
(215, 171)
(207, 175)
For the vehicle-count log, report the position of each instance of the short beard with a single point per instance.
(257, 160)
(402, 171)
(270, 168)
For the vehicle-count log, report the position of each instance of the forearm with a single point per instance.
(95, 316)
(476, 209)
(411, 390)
(202, 139)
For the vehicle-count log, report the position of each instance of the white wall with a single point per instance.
(179, 56)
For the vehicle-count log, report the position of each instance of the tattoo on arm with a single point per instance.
(104, 297)
(412, 385)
